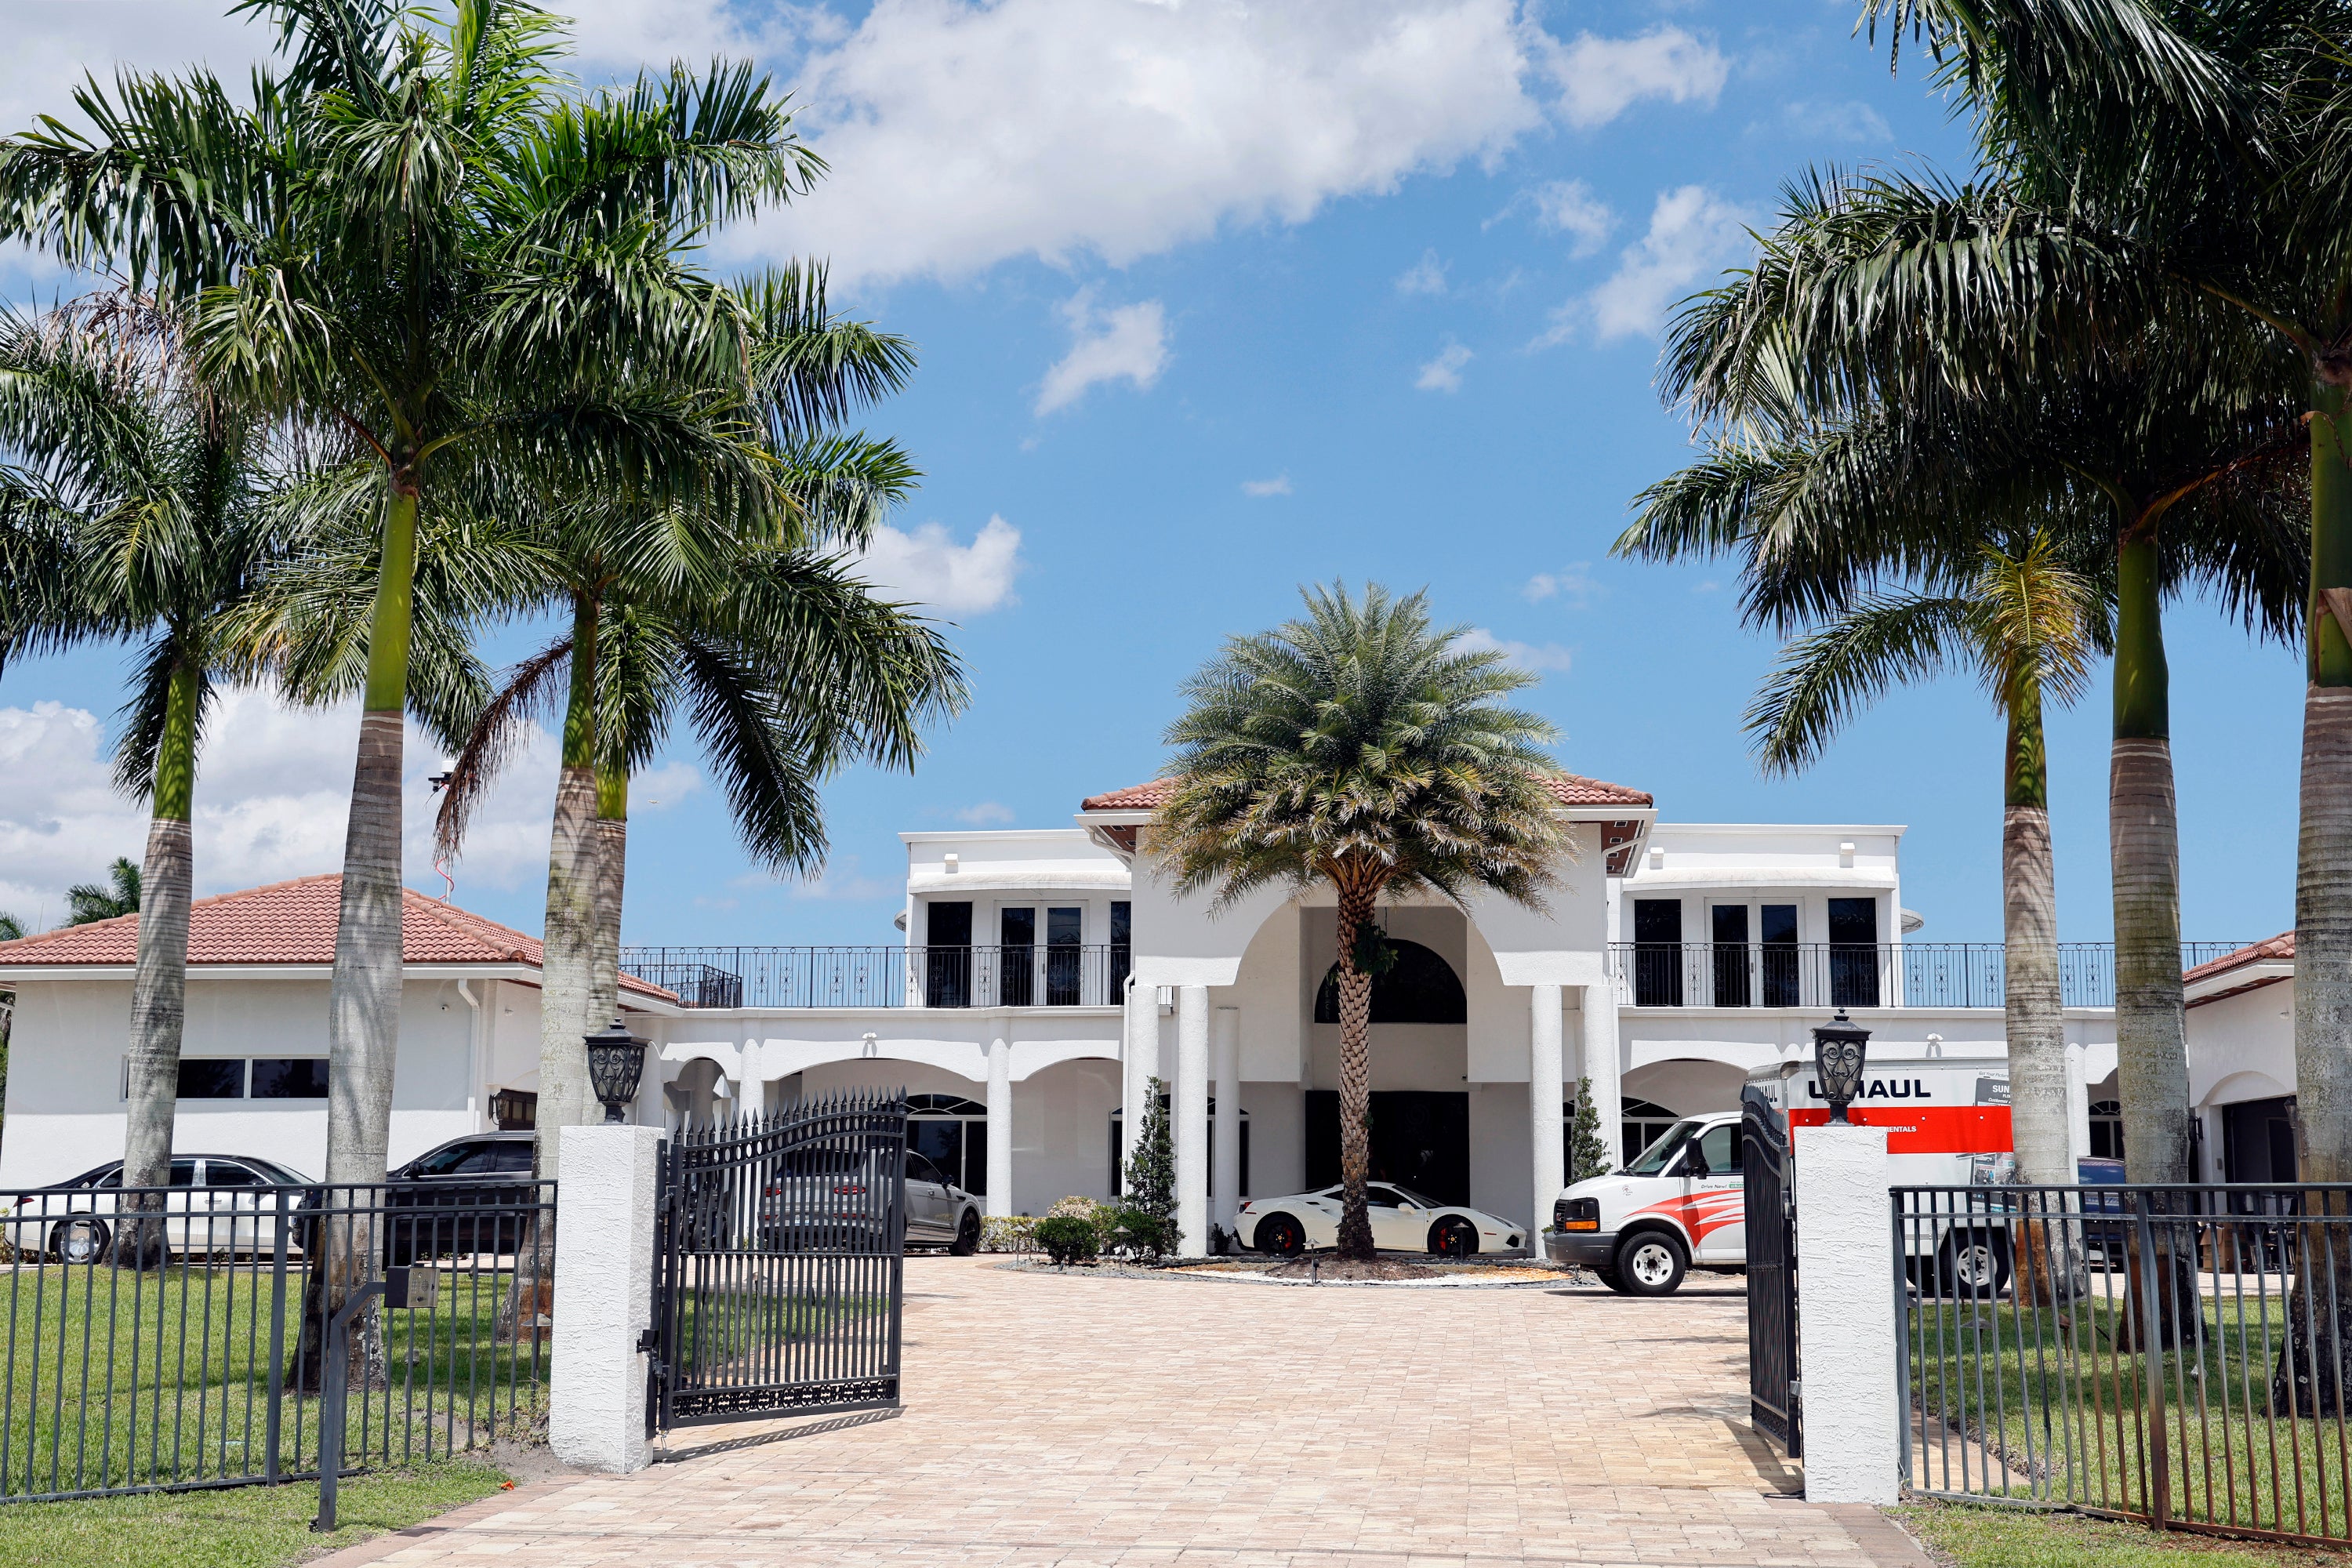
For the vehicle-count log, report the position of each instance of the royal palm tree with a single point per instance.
(2180, 475)
(1360, 749)
(2027, 624)
(159, 495)
(415, 238)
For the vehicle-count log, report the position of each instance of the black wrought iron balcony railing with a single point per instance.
(1856, 974)
(1039, 976)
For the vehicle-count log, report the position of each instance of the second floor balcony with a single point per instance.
(1822, 975)
(1043, 975)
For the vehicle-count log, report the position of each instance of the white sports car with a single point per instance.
(1402, 1221)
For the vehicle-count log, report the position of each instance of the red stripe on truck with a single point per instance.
(1928, 1129)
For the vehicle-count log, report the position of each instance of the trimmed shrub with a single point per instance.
(1140, 1232)
(1068, 1239)
(1009, 1232)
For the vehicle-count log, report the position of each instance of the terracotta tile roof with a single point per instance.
(2270, 951)
(293, 922)
(1573, 789)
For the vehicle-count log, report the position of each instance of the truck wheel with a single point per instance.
(1651, 1264)
(1974, 1268)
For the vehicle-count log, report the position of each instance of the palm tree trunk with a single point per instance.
(364, 998)
(2036, 1016)
(2311, 1377)
(612, 874)
(568, 963)
(2323, 872)
(159, 982)
(1355, 1240)
(2143, 827)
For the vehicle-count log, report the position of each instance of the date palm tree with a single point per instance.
(415, 236)
(1362, 749)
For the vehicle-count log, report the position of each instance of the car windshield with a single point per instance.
(1658, 1155)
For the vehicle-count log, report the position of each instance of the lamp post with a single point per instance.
(616, 1058)
(1839, 1047)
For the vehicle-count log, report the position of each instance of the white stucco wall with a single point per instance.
(70, 1037)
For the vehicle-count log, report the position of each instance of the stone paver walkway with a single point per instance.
(1081, 1420)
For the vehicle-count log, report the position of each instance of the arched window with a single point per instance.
(2106, 1130)
(943, 1105)
(953, 1133)
(1645, 1121)
(1419, 988)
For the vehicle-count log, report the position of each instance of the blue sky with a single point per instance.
(1211, 302)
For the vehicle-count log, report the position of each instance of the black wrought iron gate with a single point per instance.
(779, 1256)
(1774, 1403)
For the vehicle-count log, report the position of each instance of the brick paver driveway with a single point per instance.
(1077, 1419)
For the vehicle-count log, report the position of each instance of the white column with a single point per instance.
(603, 1297)
(1132, 1073)
(999, 1128)
(1545, 1092)
(1190, 1113)
(2078, 1114)
(1600, 1063)
(1845, 1317)
(1226, 1051)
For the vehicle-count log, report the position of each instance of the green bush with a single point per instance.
(1139, 1233)
(1068, 1239)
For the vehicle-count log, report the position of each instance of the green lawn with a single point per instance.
(2016, 1538)
(112, 1378)
(2050, 1394)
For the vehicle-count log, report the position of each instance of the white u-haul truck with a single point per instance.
(1680, 1204)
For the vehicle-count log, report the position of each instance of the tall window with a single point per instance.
(947, 965)
(1730, 922)
(1644, 1124)
(2106, 1130)
(1657, 952)
(1853, 953)
(1122, 948)
(1777, 955)
(1016, 958)
(1064, 931)
(953, 1133)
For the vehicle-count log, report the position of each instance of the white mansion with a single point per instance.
(1042, 978)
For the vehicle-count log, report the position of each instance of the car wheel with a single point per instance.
(79, 1240)
(1281, 1234)
(967, 1240)
(1453, 1237)
(1973, 1266)
(1651, 1264)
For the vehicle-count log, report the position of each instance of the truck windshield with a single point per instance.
(1670, 1142)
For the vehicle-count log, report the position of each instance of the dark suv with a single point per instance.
(471, 1195)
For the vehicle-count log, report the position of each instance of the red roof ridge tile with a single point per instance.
(1571, 788)
(2269, 949)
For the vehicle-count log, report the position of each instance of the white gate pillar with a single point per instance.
(999, 1128)
(603, 1297)
(1189, 1105)
(1225, 1180)
(1845, 1316)
(1545, 1093)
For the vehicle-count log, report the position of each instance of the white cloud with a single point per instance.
(987, 814)
(1531, 657)
(1572, 584)
(1569, 208)
(1278, 486)
(1694, 234)
(1126, 342)
(963, 133)
(1600, 78)
(273, 793)
(659, 788)
(1853, 120)
(1426, 276)
(839, 881)
(1443, 373)
(930, 567)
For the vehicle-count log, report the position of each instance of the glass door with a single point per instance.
(1064, 927)
(1777, 955)
(1730, 922)
(1853, 953)
(1016, 958)
(1657, 952)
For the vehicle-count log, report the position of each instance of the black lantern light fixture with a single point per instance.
(1839, 1047)
(616, 1058)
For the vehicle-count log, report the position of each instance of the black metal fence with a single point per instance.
(779, 1262)
(1773, 1385)
(1857, 975)
(2178, 1355)
(1040, 974)
(162, 1339)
